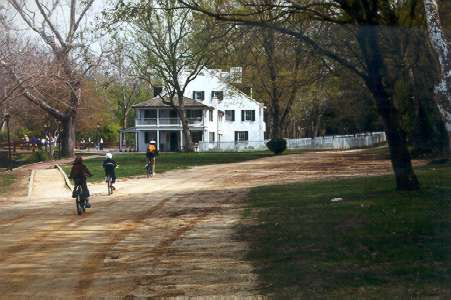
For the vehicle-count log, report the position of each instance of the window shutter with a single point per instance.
(233, 115)
(194, 95)
(253, 115)
(202, 95)
(242, 115)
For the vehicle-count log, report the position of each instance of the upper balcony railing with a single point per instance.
(167, 122)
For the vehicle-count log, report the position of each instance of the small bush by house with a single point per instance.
(277, 146)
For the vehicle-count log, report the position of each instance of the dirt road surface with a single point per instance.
(169, 236)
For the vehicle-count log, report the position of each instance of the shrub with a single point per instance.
(38, 156)
(277, 146)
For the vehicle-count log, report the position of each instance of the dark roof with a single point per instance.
(158, 102)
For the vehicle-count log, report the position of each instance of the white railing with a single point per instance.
(338, 142)
(147, 121)
(167, 121)
(196, 121)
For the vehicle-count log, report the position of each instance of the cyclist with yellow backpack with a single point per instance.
(151, 154)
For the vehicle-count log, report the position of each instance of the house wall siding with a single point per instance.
(233, 99)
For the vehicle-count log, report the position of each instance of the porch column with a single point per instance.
(158, 138)
(136, 141)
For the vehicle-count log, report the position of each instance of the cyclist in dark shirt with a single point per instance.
(78, 173)
(110, 165)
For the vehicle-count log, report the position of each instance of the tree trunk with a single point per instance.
(275, 119)
(122, 140)
(317, 125)
(269, 47)
(400, 157)
(189, 146)
(399, 154)
(440, 45)
(68, 136)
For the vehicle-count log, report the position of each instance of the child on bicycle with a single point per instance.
(110, 165)
(151, 155)
(78, 173)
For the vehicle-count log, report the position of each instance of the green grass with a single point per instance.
(377, 243)
(6, 180)
(132, 164)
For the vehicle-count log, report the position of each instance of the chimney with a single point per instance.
(236, 74)
(157, 91)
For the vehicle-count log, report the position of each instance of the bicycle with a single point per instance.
(149, 167)
(109, 182)
(80, 202)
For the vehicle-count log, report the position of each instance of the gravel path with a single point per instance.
(170, 235)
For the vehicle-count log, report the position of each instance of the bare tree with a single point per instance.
(63, 44)
(121, 85)
(9, 90)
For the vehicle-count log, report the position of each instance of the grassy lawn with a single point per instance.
(6, 180)
(132, 164)
(376, 243)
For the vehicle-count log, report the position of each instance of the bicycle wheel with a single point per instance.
(109, 185)
(78, 204)
(149, 170)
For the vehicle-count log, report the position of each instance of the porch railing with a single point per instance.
(168, 121)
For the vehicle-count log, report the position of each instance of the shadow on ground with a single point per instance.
(375, 243)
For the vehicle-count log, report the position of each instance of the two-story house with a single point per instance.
(220, 117)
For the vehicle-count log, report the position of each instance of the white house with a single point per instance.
(220, 117)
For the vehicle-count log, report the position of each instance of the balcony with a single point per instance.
(197, 122)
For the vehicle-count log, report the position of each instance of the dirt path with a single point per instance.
(48, 184)
(172, 235)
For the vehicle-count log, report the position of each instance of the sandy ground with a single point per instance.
(172, 235)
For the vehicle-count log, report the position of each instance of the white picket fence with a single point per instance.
(338, 142)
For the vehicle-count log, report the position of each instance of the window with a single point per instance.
(196, 136)
(212, 137)
(220, 115)
(199, 95)
(150, 114)
(195, 114)
(210, 115)
(230, 115)
(241, 136)
(248, 115)
(217, 94)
